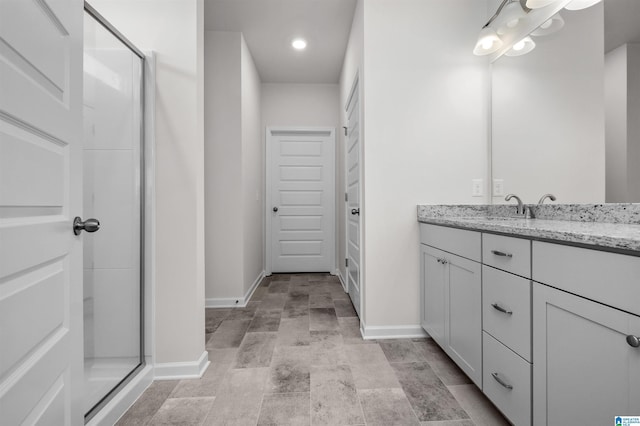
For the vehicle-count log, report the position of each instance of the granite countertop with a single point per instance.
(607, 226)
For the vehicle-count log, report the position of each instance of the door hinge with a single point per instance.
(345, 130)
(346, 196)
(346, 263)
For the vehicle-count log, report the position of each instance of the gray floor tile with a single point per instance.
(290, 369)
(229, 334)
(296, 306)
(321, 300)
(148, 404)
(401, 350)
(279, 286)
(441, 364)
(265, 321)
(245, 313)
(182, 412)
(255, 350)
(273, 302)
(323, 319)
(206, 386)
(466, 422)
(259, 294)
(365, 354)
(294, 332)
(286, 409)
(334, 400)
(374, 376)
(429, 397)
(222, 356)
(281, 277)
(481, 411)
(387, 407)
(350, 330)
(327, 348)
(239, 398)
(344, 308)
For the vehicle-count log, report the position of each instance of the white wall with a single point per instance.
(300, 105)
(223, 150)
(234, 154)
(252, 170)
(622, 109)
(173, 29)
(352, 66)
(425, 121)
(548, 114)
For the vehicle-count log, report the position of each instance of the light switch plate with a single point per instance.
(498, 187)
(476, 188)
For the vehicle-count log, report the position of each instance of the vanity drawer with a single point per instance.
(457, 241)
(608, 278)
(502, 364)
(503, 291)
(507, 253)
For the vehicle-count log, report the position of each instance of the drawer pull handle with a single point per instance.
(633, 341)
(501, 253)
(502, 382)
(501, 309)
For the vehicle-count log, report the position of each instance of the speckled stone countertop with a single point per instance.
(606, 226)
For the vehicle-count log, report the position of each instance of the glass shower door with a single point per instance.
(113, 152)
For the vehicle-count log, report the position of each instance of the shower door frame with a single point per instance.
(143, 199)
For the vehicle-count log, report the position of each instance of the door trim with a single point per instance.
(283, 130)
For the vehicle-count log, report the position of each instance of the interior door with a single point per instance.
(40, 193)
(301, 212)
(353, 198)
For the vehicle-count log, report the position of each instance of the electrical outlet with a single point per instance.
(498, 187)
(476, 188)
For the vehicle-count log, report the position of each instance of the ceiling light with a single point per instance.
(488, 42)
(581, 4)
(509, 17)
(522, 47)
(537, 4)
(549, 27)
(299, 44)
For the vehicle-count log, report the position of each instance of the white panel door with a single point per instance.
(353, 198)
(40, 193)
(302, 199)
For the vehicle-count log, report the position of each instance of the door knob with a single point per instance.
(633, 341)
(89, 225)
(355, 212)
(275, 209)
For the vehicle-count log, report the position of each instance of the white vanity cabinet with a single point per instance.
(585, 371)
(452, 294)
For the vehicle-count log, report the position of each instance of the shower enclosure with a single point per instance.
(113, 182)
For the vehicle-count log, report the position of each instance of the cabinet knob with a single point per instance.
(443, 261)
(633, 341)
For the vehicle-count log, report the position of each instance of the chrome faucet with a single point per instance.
(545, 196)
(520, 209)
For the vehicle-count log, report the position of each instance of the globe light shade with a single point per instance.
(554, 24)
(488, 42)
(522, 47)
(581, 4)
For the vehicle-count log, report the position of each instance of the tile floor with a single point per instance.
(294, 356)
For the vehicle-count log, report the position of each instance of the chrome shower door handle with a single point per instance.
(89, 225)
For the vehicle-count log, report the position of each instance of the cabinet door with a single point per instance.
(433, 272)
(585, 372)
(463, 324)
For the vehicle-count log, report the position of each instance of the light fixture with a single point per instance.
(555, 23)
(537, 4)
(299, 44)
(488, 42)
(581, 4)
(509, 17)
(522, 47)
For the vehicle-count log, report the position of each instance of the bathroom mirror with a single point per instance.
(566, 116)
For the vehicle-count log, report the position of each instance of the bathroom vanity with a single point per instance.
(542, 314)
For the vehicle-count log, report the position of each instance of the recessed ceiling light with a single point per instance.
(299, 44)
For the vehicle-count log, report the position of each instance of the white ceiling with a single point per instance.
(621, 23)
(269, 26)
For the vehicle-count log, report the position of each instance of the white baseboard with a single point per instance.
(392, 332)
(234, 302)
(124, 399)
(342, 280)
(182, 370)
